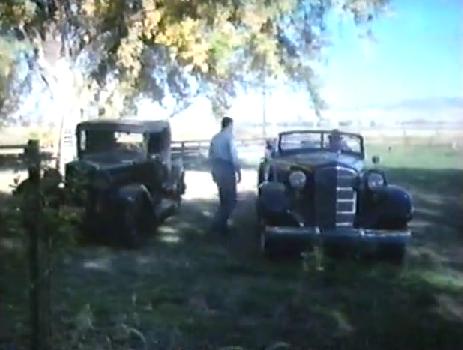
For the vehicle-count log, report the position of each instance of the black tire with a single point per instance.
(266, 245)
(137, 219)
(91, 229)
(261, 236)
(392, 253)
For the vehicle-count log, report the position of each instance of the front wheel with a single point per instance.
(392, 253)
(266, 246)
(137, 222)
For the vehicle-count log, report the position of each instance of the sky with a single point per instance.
(416, 53)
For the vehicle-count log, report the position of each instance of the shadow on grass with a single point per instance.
(13, 276)
(195, 291)
(189, 289)
(438, 199)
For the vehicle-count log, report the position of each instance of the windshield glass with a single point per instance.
(304, 141)
(102, 141)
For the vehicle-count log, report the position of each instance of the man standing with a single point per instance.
(226, 173)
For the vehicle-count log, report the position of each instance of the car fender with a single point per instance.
(272, 198)
(389, 205)
(130, 193)
(397, 201)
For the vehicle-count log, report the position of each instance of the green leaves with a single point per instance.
(10, 49)
(18, 12)
(206, 41)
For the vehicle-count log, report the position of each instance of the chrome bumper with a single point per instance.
(338, 235)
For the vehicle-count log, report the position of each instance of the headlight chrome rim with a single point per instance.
(297, 179)
(375, 179)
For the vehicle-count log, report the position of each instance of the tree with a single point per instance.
(127, 48)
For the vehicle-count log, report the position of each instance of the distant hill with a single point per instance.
(438, 103)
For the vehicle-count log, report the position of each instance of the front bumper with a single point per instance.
(339, 235)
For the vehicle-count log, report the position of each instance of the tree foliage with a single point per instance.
(156, 48)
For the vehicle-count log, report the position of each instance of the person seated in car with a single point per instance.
(337, 142)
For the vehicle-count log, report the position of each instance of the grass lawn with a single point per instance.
(188, 290)
(417, 156)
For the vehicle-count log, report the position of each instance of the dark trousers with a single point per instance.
(224, 176)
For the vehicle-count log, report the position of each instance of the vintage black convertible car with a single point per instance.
(314, 187)
(125, 176)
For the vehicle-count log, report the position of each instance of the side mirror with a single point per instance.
(375, 159)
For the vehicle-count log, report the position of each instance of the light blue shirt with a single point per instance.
(223, 149)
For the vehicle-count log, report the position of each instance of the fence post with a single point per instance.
(33, 216)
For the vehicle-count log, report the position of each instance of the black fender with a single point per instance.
(389, 207)
(133, 192)
(273, 203)
(136, 216)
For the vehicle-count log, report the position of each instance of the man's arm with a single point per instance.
(235, 159)
(212, 150)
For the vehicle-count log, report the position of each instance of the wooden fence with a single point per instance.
(38, 253)
(195, 146)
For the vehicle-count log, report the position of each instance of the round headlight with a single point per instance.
(297, 180)
(375, 180)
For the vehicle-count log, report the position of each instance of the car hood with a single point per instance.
(316, 160)
(107, 161)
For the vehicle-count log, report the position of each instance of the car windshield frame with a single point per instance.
(323, 141)
(84, 151)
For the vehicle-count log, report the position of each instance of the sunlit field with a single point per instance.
(188, 289)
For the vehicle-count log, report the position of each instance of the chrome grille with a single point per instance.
(346, 198)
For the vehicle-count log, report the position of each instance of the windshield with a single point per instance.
(104, 141)
(305, 141)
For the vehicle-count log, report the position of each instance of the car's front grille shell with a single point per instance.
(335, 199)
(346, 197)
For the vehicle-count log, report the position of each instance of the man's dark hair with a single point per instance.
(226, 121)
